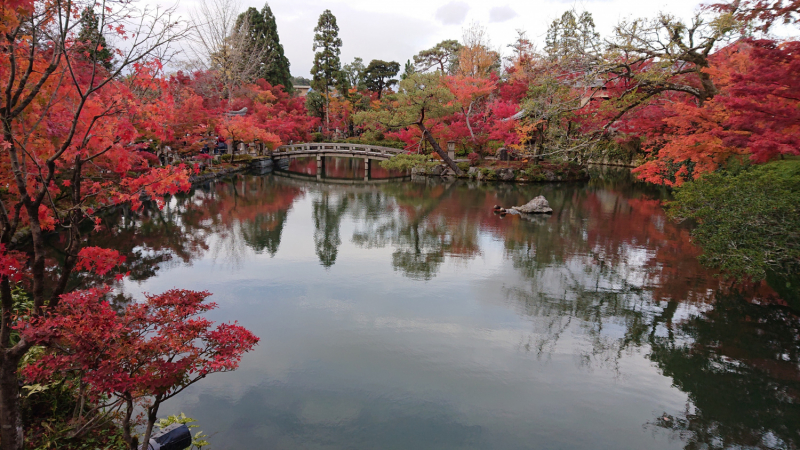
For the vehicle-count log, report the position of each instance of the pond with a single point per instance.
(407, 315)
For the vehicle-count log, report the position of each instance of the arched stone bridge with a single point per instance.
(322, 150)
(345, 150)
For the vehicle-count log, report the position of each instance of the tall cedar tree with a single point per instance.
(264, 34)
(91, 37)
(379, 75)
(327, 66)
(572, 36)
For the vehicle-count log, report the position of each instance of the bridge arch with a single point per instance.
(333, 149)
(321, 150)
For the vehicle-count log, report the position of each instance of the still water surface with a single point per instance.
(407, 315)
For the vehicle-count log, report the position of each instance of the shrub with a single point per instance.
(489, 174)
(464, 166)
(407, 162)
(747, 219)
(474, 159)
(533, 173)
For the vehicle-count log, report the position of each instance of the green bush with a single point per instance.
(464, 166)
(489, 174)
(533, 173)
(747, 218)
(391, 144)
(407, 162)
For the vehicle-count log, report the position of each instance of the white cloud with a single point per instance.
(452, 13)
(501, 14)
(396, 31)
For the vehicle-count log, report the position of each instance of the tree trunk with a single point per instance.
(152, 416)
(327, 110)
(438, 149)
(10, 414)
(126, 425)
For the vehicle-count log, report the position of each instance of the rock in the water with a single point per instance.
(538, 205)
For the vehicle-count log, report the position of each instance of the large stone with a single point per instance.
(502, 154)
(538, 205)
(505, 174)
(437, 170)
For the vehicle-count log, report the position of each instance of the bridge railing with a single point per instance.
(321, 147)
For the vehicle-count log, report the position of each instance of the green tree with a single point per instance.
(379, 75)
(422, 101)
(315, 105)
(572, 36)
(300, 81)
(443, 56)
(263, 34)
(355, 73)
(327, 66)
(408, 70)
(92, 38)
(748, 221)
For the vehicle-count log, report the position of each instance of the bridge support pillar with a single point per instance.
(320, 166)
(366, 169)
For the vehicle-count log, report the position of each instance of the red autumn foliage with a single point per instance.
(151, 351)
(98, 260)
(755, 115)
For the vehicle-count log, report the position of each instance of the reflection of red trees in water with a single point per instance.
(245, 199)
(376, 171)
(608, 229)
(342, 168)
(306, 166)
(346, 168)
(180, 231)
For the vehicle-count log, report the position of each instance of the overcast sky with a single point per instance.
(397, 30)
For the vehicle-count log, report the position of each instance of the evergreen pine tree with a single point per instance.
(408, 70)
(572, 37)
(91, 37)
(327, 66)
(263, 31)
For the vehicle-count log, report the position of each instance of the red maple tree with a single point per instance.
(144, 356)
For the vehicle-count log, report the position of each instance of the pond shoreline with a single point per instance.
(511, 173)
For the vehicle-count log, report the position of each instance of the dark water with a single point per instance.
(409, 316)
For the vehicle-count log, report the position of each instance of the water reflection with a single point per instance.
(328, 212)
(408, 315)
(740, 364)
(340, 168)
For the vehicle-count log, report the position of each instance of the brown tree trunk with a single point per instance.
(10, 414)
(438, 149)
